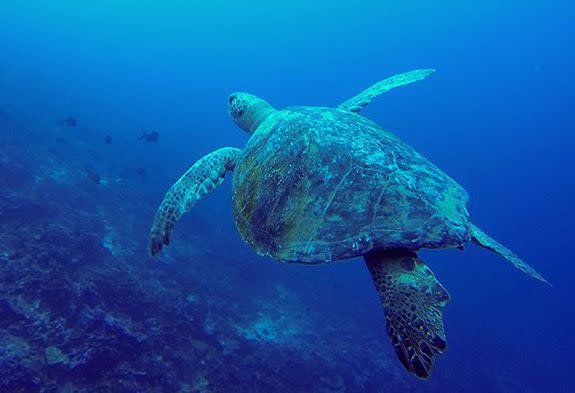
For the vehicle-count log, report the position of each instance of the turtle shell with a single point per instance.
(321, 184)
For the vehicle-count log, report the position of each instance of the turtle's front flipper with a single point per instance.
(360, 101)
(205, 175)
(484, 240)
(413, 300)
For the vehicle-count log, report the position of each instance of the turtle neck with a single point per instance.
(255, 115)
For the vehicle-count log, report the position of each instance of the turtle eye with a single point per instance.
(240, 113)
(232, 98)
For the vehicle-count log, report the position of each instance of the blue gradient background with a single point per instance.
(498, 116)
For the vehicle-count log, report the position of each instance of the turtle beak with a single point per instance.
(234, 110)
(231, 100)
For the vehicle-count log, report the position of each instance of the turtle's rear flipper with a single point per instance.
(205, 175)
(484, 240)
(413, 301)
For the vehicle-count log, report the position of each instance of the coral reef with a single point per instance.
(83, 308)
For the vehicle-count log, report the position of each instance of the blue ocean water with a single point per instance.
(84, 308)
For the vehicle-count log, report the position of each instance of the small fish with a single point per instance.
(92, 175)
(108, 140)
(69, 122)
(150, 137)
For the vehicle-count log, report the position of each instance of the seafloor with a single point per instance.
(83, 308)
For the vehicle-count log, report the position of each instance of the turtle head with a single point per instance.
(248, 111)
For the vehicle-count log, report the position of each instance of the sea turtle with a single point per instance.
(316, 185)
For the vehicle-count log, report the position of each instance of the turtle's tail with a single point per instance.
(484, 240)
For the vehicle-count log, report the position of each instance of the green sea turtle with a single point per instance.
(315, 185)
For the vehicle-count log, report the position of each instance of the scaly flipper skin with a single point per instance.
(205, 175)
(484, 240)
(360, 101)
(413, 301)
